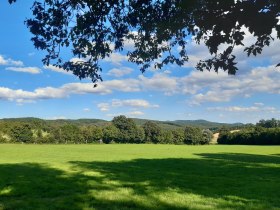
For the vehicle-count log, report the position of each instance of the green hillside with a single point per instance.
(182, 123)
(99, 122)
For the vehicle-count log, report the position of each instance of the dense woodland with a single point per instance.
(127, 130)
(120, 130)
(265, 132)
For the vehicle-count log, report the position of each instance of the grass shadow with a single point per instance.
(212, 181)
(36, 186)
(234, 181)
(243, 158)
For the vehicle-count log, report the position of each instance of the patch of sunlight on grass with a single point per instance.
(93, 173)
(6, 191)
(124, 195)
(181, 200)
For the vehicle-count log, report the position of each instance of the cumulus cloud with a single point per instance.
(107, 87)
(119, 72)
(133, 103)
(31, 70)
(9, 62)
(259, 80)
(57, 118)
(76, 60)
(197, 52)
(135, 113)
(128, 114)
(18, 66)
(20, 102)
(103, 107)
(51, 92)
(214, 96)
(57, 69)
(124, 85)
(259, 104)
(203, 87)
(241, 109)
(160, 82)
(116, 58)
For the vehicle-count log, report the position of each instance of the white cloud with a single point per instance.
(125, 85)
(31, 54)
(9, 62)
(258, 80)
(76, 60)
(197, 81)
(128, 44)
(114, 115)
(31, 70)
(49, 92)
(160, 82)
(2, 61)
(135, 113)
(201, 86)
(119, 72)
(57, 118)
(259, 104)
(128, 114)
(197, 52)
(133, 103)
(20, 102)
(104, 107)
(241, 109)
(68, 89)
(86, 110)
(214, 96)
(270, 53)
(57, 69)
(116, 58)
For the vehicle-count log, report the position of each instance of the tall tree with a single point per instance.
(110, 134)
(127, 127)
(152, 132)
(21, 132)
(193, 135)
(96, 29)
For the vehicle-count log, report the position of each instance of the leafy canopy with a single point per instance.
(95, 29)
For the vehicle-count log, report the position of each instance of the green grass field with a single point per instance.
(139, 177)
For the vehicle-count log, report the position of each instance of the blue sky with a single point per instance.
(30, 89)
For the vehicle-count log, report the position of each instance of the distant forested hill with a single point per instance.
(99, 122)
(182, 123)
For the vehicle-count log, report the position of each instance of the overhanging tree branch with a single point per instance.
(155, 27)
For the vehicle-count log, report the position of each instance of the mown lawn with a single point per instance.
(139, 177)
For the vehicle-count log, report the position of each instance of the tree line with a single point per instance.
(265, 132)
(120, 130)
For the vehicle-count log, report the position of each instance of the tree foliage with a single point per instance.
(110, 134)
(178, 136)
(152, 132)
(193, 135)
(266, 132)
(124, 130)
(206, 136)
(273, 123)
(21, 132)
(95, 29)
(127, 129)
(256, 136)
